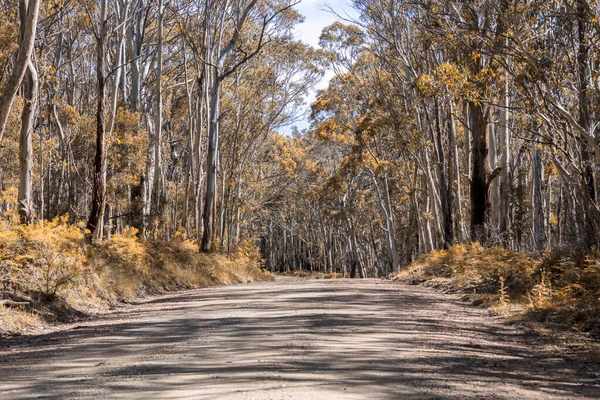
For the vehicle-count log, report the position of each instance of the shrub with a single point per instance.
(41, 260)
(561, 287)
(122, 263)
(56, 269)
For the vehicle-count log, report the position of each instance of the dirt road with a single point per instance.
(293, 339)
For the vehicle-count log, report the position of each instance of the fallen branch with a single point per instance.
(10, 303)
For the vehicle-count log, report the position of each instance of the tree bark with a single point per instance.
(445, 187)
(454, 175)
(494, 189)
(211, 166)
(26, 137)
(504, 228)
(23, 59)
(157, 189)
(479, 174)
(539, 234)
(26, 146)
(96, 219)
(591, 234)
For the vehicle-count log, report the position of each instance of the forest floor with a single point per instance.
(294, 338)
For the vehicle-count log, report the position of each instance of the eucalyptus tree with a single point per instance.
(95, 222)
(29, 109)
(238, 31)
(29, 11)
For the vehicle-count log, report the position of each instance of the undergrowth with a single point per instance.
(59, 275)
(561, 288)
(302, 273)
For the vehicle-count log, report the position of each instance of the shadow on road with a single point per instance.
(359, 339)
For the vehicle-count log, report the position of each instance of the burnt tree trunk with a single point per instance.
(480, 174)
(95, 221)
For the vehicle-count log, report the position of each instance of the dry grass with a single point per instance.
(302, 273)
(16, 320)
(63, 277)
(560, 290)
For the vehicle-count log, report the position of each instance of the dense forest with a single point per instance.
(156, 153)
(446, 122)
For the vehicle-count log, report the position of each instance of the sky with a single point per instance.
(317, 18)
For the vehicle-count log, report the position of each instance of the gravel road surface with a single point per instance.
(293, 339)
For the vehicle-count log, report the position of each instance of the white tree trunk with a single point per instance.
(23, 59)
(26, 145)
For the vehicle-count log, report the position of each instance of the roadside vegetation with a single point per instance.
(559, 289)
(51, 272)
(144, 128)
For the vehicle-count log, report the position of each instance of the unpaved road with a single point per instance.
(293, 339)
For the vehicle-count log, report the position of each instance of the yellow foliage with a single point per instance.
(560, 287)
(42, 260)
(473, 264)
(446, 78)
(55, 268)
(8, 39)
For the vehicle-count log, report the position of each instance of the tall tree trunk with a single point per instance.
(96, 220)
(392, 225)
(189, 160)
(156, 204)
(223, 206)
(454, 175)
(504, 231)
(538, 232)
(218, 73)
(202, 97)
(445, 188)
(436, 212)
(494, 189)
(30, 9)
(119, 66)
(211, 166)
(26, 145)
(133, 45)
(468, 153)
(479, 174)
(26, 138)
(383, 195)
(591, 234)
